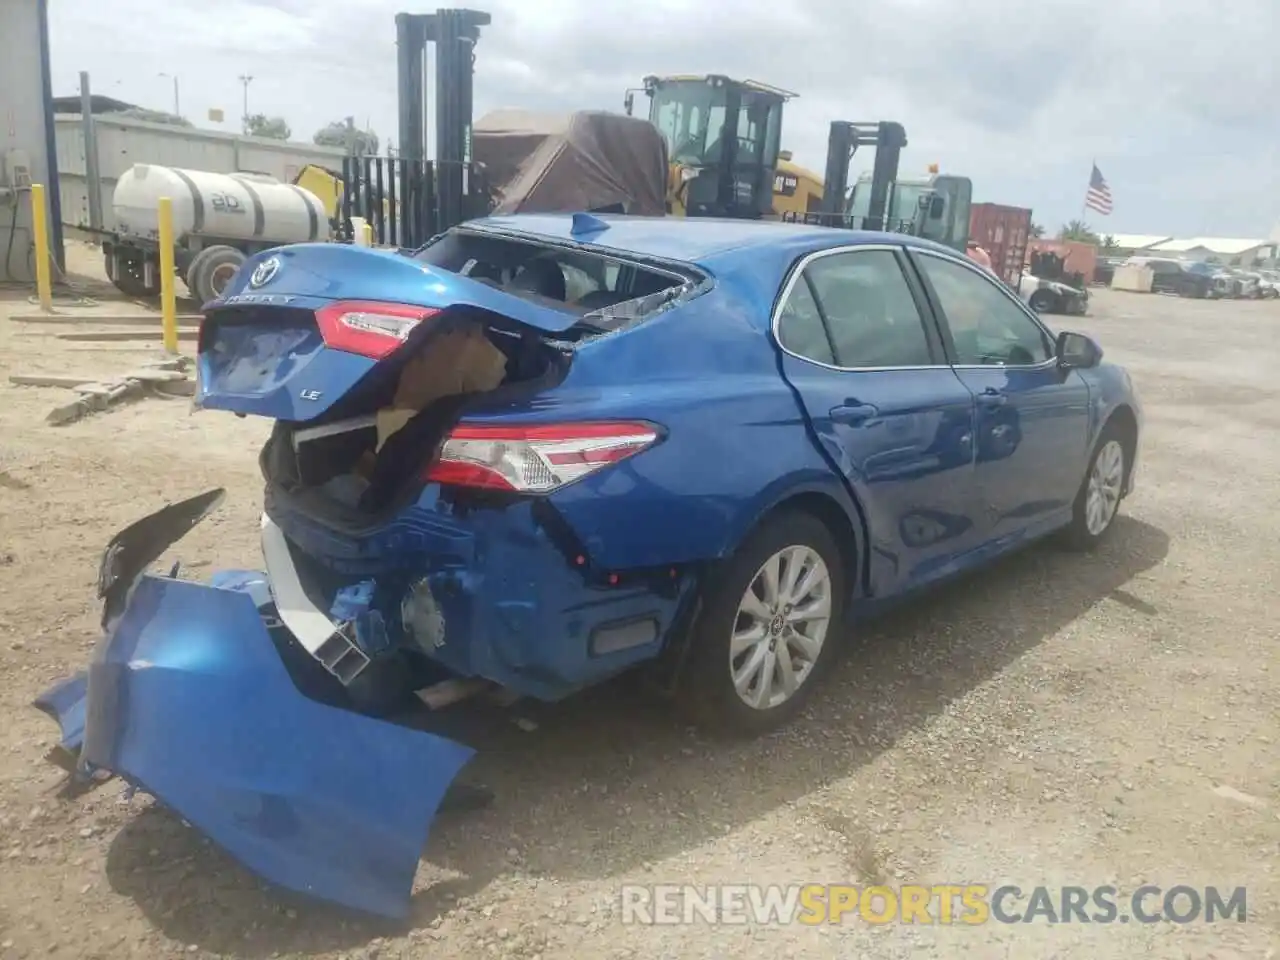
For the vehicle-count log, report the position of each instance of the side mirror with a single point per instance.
(629, 103)
(936, 208)
(1075, 351)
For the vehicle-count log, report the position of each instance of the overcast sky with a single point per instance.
(1177, 100)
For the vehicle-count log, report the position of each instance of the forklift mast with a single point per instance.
(455, 34)
(843, 142)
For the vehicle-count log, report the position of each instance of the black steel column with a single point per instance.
(455, 33)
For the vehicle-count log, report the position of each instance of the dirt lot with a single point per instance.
(1056, 720)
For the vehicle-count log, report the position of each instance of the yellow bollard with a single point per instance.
(40, 238)
(168, 300)
(368, 234)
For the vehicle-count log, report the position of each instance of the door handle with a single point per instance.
(992, 397)
(854, 413)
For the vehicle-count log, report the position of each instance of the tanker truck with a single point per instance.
(219, 220)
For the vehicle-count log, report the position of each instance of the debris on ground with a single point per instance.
(166, 377)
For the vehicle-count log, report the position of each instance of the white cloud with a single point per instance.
(1175, 100)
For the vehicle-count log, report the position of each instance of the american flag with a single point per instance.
(1098, 196)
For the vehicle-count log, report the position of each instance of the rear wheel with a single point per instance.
(767, 629)
(1098, 501)
(212, 271)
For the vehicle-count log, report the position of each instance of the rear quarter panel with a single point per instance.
(736, 441)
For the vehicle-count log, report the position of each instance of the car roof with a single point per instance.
(700, 240)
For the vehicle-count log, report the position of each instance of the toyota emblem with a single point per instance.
(263, 272)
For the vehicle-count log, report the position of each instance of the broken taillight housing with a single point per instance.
(535, 459)
(369, 328)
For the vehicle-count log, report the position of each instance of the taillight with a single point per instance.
(367, 328)
(535, 459)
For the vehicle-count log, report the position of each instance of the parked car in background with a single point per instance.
(1269, 284)
(1181, 277)
(1249, 283)
(1105, 269)
(734, 435)
(1052, 296)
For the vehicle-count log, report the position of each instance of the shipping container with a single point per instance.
(1002, 232)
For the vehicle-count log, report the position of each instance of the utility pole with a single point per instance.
(177, 109)
(245, 79)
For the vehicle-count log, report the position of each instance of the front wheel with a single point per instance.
(1098, 501)
(767, 629)
(1042, 301)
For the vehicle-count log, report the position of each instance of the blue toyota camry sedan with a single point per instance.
(545, 450)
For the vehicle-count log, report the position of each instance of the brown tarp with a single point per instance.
(590, 160)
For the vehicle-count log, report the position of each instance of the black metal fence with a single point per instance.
(845, 221)
(401, 199)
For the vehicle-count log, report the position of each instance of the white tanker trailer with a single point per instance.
(219, 220)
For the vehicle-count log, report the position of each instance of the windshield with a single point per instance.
(690, 116)
(1202, 268)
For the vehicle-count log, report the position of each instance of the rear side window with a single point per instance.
(800, 326)
(575, 280)
(870, 311)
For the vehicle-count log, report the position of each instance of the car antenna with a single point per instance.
(586, 223)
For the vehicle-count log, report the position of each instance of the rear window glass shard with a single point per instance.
(606, 291)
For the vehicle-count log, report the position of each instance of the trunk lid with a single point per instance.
(301, 326)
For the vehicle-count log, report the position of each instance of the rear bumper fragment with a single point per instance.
(188, 699)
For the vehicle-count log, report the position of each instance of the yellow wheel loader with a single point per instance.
(722, 137)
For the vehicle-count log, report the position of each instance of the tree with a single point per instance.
(343, 133)
(1037, 231)
(1109, 243)
(1078, 230)
(273, 128)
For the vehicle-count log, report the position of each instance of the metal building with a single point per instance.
(26, 134)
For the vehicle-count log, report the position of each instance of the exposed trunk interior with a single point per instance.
(367, 456)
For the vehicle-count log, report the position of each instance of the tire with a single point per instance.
(211, 270)
(1105, 478)
(1042, 301)
(707, 691)
(193, 270)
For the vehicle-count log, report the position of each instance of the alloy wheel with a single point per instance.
(781, 626)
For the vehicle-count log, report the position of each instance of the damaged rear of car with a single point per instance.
(428, 413)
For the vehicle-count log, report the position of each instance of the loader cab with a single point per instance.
(722, 138)
(935, 207)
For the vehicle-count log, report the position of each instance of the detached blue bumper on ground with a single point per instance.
(188, 699)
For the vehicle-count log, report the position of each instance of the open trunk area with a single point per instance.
(370, 454)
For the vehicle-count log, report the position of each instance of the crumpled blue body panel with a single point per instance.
(188, 699)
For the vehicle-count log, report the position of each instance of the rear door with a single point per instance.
(1032, 417)
(887, 410)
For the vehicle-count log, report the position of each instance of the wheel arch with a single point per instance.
(1124, 420)
(838, 510)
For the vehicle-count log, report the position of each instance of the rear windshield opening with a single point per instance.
(577, 281)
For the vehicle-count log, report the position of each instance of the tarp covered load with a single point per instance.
(589, 160)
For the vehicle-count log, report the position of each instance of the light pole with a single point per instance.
(245, 79)
(177, 111)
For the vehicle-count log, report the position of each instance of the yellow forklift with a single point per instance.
(722, 138)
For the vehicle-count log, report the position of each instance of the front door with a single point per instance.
(1032, 416)
(888, 411)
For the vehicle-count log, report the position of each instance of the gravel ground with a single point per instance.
(1055, 720)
